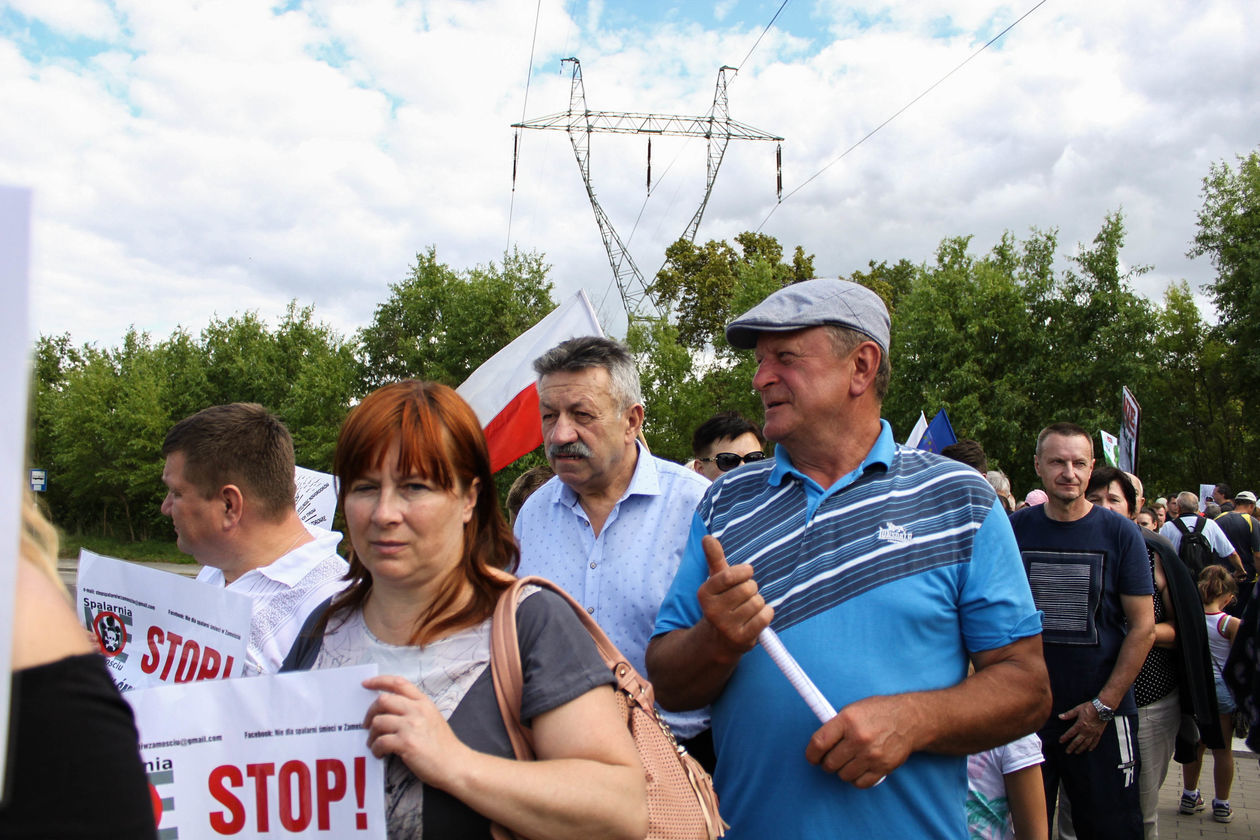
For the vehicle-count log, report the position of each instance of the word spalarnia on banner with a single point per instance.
(271, 756)
(158, 628)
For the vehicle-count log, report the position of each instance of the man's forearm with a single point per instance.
(686, 670)
(1236, 561)
(1003, 700)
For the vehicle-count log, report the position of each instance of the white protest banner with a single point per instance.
(1128, 456)
(271, 756)
(316, 498)
(1205, 495)
(156, 628)
(15, 226)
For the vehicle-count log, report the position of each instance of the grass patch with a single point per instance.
(149, 551)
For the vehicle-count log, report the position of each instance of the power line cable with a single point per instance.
(902, 110)
(759, 37)
(516, 140)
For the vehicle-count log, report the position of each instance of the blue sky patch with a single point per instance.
(42, 45)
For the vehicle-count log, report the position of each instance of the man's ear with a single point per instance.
(865, 360)
(634, 419)
(233, 502)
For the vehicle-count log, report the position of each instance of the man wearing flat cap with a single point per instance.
(884, 571)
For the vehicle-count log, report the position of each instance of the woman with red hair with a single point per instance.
(431, 552)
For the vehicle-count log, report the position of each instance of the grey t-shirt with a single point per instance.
(559, 662)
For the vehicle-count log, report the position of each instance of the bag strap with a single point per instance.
(1180, 526)
(1200, 524)
(505, 671)
(503, 634)
(506, 674)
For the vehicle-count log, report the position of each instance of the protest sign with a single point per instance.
(15, 222)
(316, 497)
(156, 628)
(1205, 495)
(1110, 446)
(1129, 430)
(270, 756)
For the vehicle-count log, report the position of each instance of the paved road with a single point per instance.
(1245, 798)
(68, 568)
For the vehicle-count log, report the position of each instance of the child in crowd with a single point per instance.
(1005, 796)
(1217, 589)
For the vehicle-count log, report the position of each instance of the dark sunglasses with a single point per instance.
(729, 460)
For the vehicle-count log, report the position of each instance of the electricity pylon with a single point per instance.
(580, 123)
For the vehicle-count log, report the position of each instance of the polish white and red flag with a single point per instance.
(503, 391)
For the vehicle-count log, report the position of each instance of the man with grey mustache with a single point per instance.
(610, 528)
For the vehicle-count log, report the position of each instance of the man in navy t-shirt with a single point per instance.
(1089, 575)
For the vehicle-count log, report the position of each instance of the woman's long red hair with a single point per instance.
(441, 441)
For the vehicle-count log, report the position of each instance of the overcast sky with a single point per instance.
(190, 159)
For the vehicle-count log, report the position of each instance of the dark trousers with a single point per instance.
(1102, 784)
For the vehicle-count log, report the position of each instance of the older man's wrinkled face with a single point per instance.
(588, 436)
(802, 382)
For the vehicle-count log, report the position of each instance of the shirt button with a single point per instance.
(592, 564)
(591, 610)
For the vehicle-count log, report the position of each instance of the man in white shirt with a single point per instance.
(229, 476)
(1187, 504)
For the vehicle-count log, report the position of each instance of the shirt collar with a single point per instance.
(644, 482)
(290, 567)
(880, 455)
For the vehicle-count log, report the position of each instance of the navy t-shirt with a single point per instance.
(1078, 571)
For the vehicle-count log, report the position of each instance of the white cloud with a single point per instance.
(220, 156)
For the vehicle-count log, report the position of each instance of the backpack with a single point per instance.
(1195, 550)
(682, 804)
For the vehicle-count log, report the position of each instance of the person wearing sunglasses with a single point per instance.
(725, 441)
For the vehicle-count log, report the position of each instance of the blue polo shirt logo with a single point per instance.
(894, 534)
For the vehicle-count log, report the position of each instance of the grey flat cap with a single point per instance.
(813, 303)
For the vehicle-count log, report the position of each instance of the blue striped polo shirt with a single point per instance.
(882, 583)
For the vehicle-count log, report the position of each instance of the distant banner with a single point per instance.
(316, 497)
(271, 756)
(1110, 446)
(1205, 495)
(1129, 433)
(157, 628)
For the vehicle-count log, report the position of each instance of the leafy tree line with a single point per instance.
(100, 415)
(1005, 343)
(1000, 339)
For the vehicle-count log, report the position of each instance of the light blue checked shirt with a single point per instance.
(622, 575)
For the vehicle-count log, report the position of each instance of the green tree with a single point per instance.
(101, 415)
(1229, 234)
(441, 324)
(705, 286)
(1007, 347)
(687, 369)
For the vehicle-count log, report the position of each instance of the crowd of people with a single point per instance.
(998, 667)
